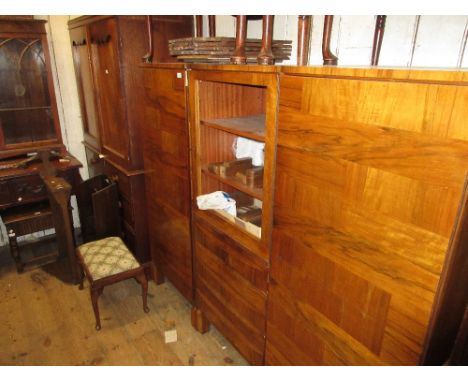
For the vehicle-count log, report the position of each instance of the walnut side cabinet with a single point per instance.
(359, 256)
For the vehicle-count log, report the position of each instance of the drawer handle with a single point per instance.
(37, 189)
(20, 199)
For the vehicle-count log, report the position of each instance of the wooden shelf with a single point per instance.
(252, 126)
(233, 182)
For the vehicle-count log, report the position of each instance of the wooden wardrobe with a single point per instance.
(107, 51)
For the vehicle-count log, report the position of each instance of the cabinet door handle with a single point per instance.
(102, 156)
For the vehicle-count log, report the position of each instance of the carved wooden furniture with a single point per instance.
(230, 254)
(107, 51)
(105, 260)
(167, 174)
(368, 262)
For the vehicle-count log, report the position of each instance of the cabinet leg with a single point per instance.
(199, 321)
(14, 249)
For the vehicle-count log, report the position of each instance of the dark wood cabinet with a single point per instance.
(107, 52)
(29, 123)
(28, 110)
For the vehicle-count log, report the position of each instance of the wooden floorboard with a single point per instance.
(45, 321)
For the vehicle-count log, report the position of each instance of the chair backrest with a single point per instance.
(99, 211)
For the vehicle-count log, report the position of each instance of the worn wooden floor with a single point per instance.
(45, 321)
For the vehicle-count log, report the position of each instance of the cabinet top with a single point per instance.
(442, 75)
(22, 26)
(436, 75)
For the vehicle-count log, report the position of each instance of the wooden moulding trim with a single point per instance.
(113, 164)
(148, 57)
(84, 20)
(328, 57)
(452, 77)
(303, 39)
(163, 65)
(236, 68)
(378, 38)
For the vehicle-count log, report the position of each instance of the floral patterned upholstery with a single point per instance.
(107, 257)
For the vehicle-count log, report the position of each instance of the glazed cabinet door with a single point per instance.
(104, 39)
(84, 76)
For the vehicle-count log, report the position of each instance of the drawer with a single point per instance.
(95, 163)
(231, 290)
(27, 189)
(252, 268)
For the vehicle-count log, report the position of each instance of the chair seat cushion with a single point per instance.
(107, 257)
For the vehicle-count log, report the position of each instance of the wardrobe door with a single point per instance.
(104, 38)
(84, 76)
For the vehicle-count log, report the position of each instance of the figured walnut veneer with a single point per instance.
(370, 179)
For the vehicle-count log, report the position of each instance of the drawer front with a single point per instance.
(231, 290)
(26, 227)
(95, 164)
(27, 189)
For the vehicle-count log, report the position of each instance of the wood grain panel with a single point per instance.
(369, 183)
(231, 290)
(104, 40)
(166, 158)
(217, 100)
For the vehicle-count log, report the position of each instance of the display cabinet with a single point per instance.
(28, 111)
(232, 108)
